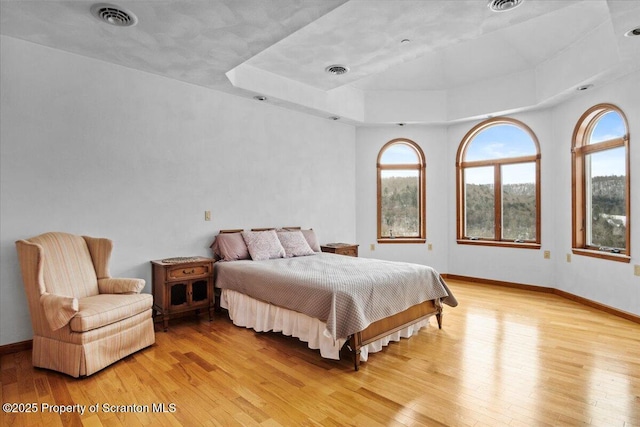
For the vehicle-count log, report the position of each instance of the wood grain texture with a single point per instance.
(505, 357)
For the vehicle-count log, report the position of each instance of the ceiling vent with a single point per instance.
(337, 69)
(113, 15)
(503, 5)
(632, 33)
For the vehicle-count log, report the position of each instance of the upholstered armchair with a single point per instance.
(83, 320)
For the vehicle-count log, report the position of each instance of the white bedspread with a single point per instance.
(346, 293)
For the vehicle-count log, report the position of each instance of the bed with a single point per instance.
(279, 280)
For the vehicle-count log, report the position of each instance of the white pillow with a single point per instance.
(312, 240)
(310, 237)
(294, 243)
(263, 244)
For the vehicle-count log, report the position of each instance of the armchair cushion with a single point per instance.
(120, 286)
(101, 310)
(58, 309)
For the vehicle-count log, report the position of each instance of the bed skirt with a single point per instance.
(264, 317)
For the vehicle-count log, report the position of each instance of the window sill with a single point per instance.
(502, 244)
(602, 255)
(402, 240)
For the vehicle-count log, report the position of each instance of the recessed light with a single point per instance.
(584, 87)
(260, 98)
(405, 41)
(503, 5)
(114, 15)
(337, 69)
(633, 32)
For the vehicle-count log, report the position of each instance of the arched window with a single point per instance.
(401, 193)
(601, 185)
(498, 185)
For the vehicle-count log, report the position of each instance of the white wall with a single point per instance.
(526, 266)
(432, 140)
(611, 283)
(93, 148)
(608, 282)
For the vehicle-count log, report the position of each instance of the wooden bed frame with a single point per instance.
(391, 324)
(383, 327)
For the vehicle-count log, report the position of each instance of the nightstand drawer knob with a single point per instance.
(180, 272)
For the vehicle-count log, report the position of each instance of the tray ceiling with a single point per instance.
(409, 61)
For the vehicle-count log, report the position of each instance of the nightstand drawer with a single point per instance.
(348, 252)
(347, 249)
(188, 271)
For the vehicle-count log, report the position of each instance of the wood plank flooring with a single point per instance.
(505, 357)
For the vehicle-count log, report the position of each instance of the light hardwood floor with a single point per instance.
(504, 357)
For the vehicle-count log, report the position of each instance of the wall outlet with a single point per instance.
(430, 246)
(372, 247)
(636, 270)
(568, 257)
(207, 215)
(547, 254)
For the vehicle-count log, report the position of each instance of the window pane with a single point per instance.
(519, 201)
(399, 153)
(606, 198)
(479, 203)
(499, 142)
(399, 203)
(609, 126)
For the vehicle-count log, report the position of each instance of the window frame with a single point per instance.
(580, 149)
(420, 166)
(496, 163)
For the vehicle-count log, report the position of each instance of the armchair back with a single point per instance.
(66, 265)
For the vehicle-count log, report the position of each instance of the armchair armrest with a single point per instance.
(58, 309)
(120, 286)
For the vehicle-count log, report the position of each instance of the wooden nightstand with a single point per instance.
(181, 285)
(348, 249)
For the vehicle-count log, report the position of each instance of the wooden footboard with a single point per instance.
(391, 324)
